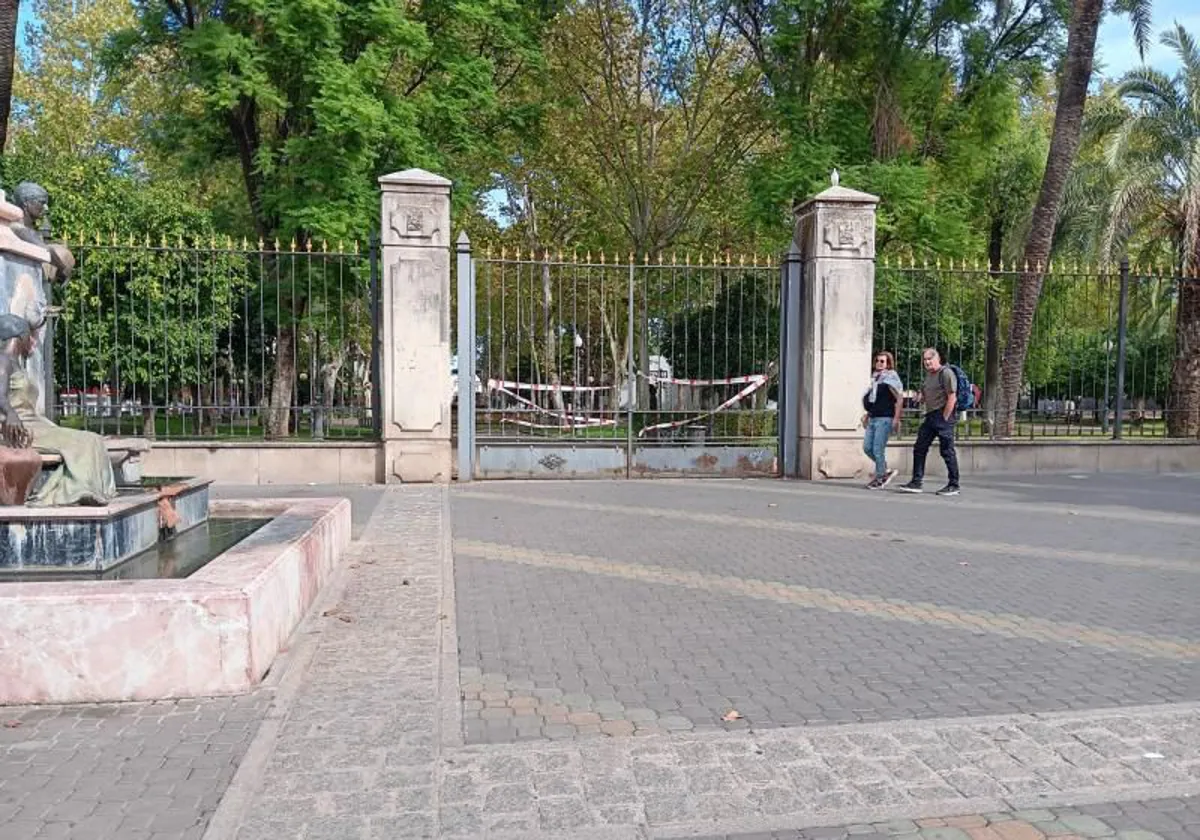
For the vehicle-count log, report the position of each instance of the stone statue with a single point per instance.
(34, 201)
(84, 475)
(19, 464)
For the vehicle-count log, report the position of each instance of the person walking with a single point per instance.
(939, 399)
(882, 401)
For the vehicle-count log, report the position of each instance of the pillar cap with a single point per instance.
(837, 194)
(414, 178)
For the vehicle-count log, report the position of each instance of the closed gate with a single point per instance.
(576, 365)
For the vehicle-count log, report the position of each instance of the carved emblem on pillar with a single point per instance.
(409, 223)
(843, 234)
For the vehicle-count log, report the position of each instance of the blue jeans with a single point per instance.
(879, 429)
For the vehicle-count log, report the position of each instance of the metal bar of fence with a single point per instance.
(671, 371)
(1085, 314)
(631, 389)
(466, 360)
(161, 341)
(1122, 331)
(376, 396)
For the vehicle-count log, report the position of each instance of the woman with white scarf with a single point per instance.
(883, 401)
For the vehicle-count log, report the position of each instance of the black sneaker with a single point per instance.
(874, 483)
(887, 478)
(949, 490)
(910, 487)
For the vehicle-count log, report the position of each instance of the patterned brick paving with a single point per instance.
(1161, 819)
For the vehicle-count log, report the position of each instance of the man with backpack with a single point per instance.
(940, 398)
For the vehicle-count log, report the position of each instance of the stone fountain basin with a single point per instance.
(214, 632)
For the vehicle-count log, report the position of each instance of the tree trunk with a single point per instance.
(9, 10)
(330, 371)
(282, 380)
(1183, 401)
(991, 372)
(1064, 144)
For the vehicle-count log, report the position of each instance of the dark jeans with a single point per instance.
(935, 425)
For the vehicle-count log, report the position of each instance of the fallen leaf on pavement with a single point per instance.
(11, 724)
(732, 714)
(345, 618)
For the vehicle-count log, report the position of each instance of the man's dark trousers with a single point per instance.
(935, 425)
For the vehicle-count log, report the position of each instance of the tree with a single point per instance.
(654, 106)
(1150, 128)
(9, 11)
(1076, 74)
(313, 101)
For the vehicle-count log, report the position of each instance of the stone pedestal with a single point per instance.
(415, 326)
(835, 235)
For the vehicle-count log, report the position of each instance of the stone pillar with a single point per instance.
(415, 327)
(835, 233)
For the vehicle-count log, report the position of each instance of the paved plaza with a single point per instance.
(703, 659)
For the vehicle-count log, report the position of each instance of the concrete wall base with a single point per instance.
(267, 462)
(418, 461)
(1053, 457)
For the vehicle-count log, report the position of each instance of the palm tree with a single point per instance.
(1076, 74)
(1150, 126)
(8, 49)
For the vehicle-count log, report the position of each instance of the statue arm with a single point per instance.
(14, 431)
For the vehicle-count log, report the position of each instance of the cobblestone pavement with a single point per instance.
(133, 771)
(644, 607)
(1162, 819)
(366, 734)
(374, 744)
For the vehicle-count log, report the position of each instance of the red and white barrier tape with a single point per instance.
(497, 384)
(738, 397)
(730, 380)
(570, 419)
(502, 384)
(594, 424)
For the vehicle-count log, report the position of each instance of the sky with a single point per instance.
(1116, 52)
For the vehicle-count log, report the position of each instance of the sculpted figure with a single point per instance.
(34, 201)
(85, 476)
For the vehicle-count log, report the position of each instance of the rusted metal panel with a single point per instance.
(498, 461)
(710, 461)
(549, 461)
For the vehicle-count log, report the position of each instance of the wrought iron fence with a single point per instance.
(216, 341)
(652, 352)
(1072, 373)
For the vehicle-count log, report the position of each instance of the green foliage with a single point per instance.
(736, 333)
(314, 100)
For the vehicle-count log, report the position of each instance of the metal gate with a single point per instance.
(578, 365)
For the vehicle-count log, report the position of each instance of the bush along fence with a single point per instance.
(1104, 360)
(217, 340)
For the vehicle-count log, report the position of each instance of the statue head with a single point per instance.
(32, 198)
